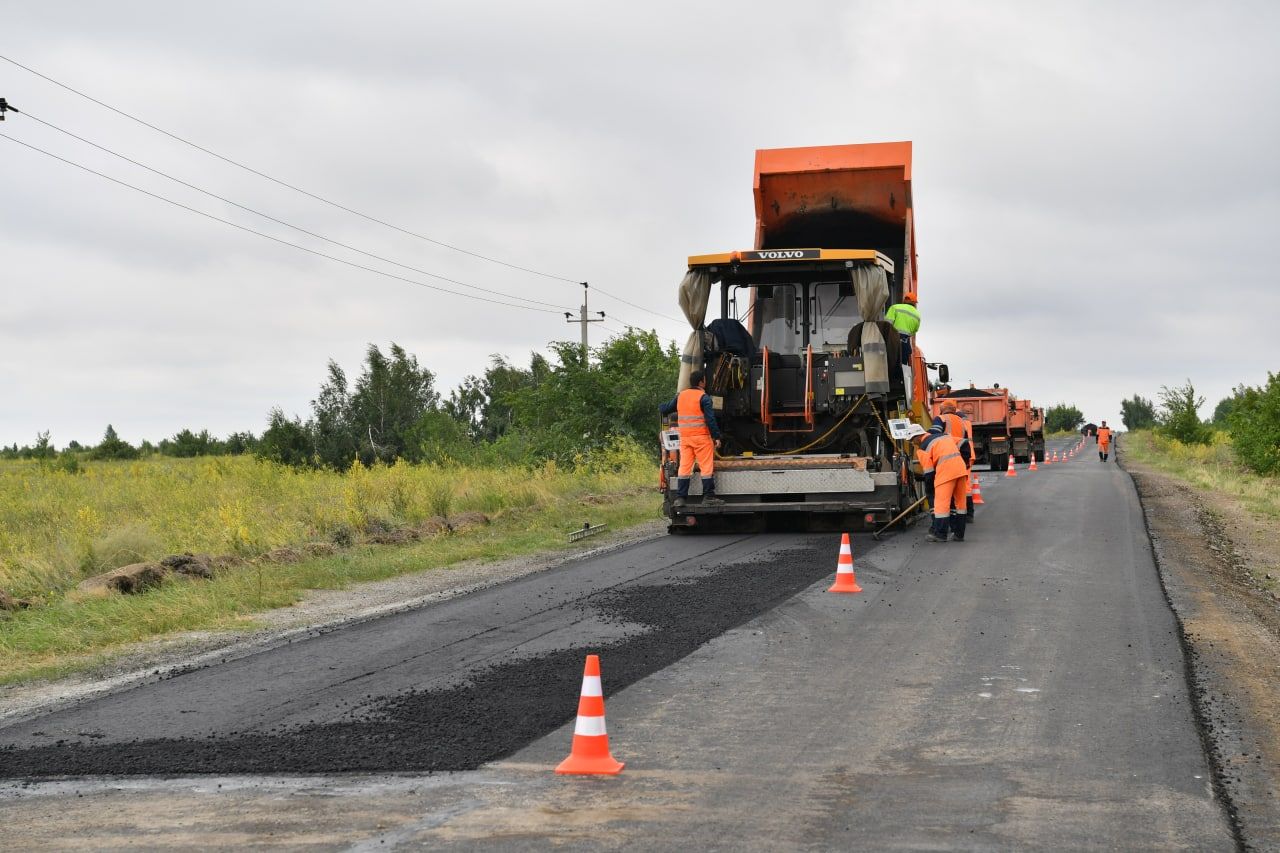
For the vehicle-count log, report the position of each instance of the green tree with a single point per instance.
(1062, 417)
(1138, 413)
(1179, 416)
(389, 399)
(187, 444)
(1222, 411)
(113, 446)
(1254, 425)
(286, 440)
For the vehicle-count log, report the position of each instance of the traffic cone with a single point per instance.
(975, 493)
(1010, 472)
(846, 580)
(1033, 467)
(590, 754)
(1048, 458)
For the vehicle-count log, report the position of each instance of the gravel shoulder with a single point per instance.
(319, 612)
(1214, 558)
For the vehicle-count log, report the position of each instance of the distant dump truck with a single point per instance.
(1003, 425)
(802, 367)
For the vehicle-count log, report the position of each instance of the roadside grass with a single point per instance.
(58, 528)
(1209, 466)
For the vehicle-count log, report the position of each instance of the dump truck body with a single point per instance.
(801, 398)
(1003, 425)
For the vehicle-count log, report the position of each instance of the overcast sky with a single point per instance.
(1097, 186)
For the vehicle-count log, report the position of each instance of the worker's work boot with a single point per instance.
(682, 492)
(709, 493)
(968, 513)
(1101, 458)
(937, 530)
(957, 527)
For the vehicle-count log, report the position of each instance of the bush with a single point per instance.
(113, 446)
(1062, 418)
(1254, 425)
(1138, 413)
(1179, 415)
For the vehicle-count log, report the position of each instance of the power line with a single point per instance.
(324, 200)
(270, 218)
(285, 184)
(240, 227)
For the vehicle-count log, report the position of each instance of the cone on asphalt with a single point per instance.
(1032, 466)
(590, 754)
(1048, 458)
(975, 493)
(1010, 472)
(846, 580)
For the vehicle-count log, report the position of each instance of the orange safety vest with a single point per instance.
(689, 417)
(1104, 435)
(960, 430)
(940, 456)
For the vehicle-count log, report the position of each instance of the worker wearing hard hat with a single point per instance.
(944, 473)
(1104, 441)
(699, 438)
(961, 432)
(905, 317)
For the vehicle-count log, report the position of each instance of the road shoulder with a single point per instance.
(1207, 549)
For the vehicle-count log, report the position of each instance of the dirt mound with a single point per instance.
(433, 526)
(319, 549)
(283, 555)
(8, 602)
(129, 580)
(194, 565)
(467, 521)
(399, 536)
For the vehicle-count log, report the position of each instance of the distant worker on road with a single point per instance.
(699, 438)
(944, 476)
(905, 317)
(1104, 441)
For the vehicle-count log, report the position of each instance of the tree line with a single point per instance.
(560, 408)
(1249, 416)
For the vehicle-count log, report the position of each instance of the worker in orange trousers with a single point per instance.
(945, 476)
(699, 438)
(1104, 441)
(960, 431)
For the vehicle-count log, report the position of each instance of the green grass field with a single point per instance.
(1206, 466)
(57, 528)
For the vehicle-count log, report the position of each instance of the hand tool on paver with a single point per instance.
(590, 754)
(846, 580)
(900, 515)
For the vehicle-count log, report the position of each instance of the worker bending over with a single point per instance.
(944, 475)
(1104, 441)
(961, 432)
(699, 438)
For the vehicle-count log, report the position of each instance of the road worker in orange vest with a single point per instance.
(961, 432)
(699, 438)
(944, 476)
(1104, 441)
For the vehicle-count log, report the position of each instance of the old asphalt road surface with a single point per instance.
(1022, 690)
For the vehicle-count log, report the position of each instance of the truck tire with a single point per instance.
(999, 462)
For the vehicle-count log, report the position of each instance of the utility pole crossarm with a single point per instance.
(5, 107)
(583, 319)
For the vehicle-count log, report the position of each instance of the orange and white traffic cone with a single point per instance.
(975, 493)
(590, 754)
(1048, 458)
(1032, 466)
(846, 580)
(1010, 472)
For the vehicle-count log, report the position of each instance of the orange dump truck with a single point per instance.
(1003, 425)
(803, 370)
